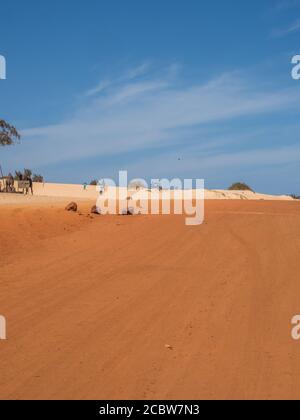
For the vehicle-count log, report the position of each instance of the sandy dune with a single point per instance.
(90, 192)
(91, 303)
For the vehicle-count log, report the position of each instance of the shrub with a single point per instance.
(38, 178)
(19, 176)
(240, 186)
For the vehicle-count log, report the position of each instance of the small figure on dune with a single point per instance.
(29, 186)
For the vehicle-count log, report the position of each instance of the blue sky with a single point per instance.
(99, 86)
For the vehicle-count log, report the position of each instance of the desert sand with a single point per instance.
(147, 308)
(89, 192)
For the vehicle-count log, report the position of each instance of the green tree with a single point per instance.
(38, 178)
(27, 173)
(240, 186)
(8, 134)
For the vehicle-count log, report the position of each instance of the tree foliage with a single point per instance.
(27, 174)
(240, 186)
(8, 134)
(38, 178)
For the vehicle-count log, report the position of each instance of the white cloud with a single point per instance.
(126, 77)
(195, 161)
(294, 27)
(138, 115)
(99, 88)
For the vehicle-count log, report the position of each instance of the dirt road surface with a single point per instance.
(147, 308)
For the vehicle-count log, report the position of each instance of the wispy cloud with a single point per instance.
(293, 28)
(129, 75)
(98, 88)
(136, 115)
(197, 159)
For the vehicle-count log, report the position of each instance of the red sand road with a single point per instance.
(91, 304)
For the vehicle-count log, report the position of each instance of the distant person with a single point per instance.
(31, 185)
(101, 187)
(28, 180)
